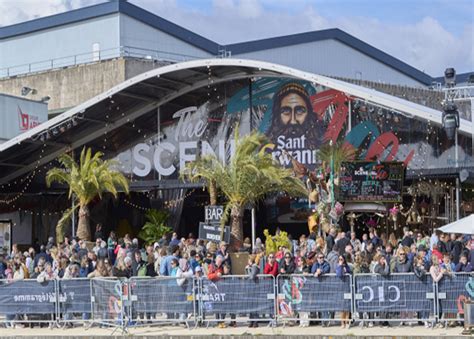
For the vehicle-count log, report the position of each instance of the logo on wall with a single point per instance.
(27, 121)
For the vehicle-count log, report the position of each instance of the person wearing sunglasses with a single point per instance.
(321, 266)
(271, 266)
(402, 264)
(287, 265)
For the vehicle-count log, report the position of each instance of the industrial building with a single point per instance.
(115, 81)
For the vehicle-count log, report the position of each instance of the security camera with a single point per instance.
(25, 90)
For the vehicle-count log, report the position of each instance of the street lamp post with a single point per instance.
(331, 178)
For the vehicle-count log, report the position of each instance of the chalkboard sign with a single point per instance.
(371, 181)
(212, 232)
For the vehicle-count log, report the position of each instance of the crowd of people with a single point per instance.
(437, 255)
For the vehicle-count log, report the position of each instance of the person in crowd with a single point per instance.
(407, 240)
(332, 258)
(138, 264)
(443, 243)
(448, 265)
(456, 247)
(321, 266)
(437, 272)
(463, 265)
(437, 253)
(98, 232)
(356, 243)
(402, 264)
(301, 267)
(216, 270)
(287, 265)
(331, 239)
(175, 241)
(165, 266)
(342, 242)
(271, 266)
(224, 253)
(111, 245)
(420, 271)
(342, 269)
(123, 268)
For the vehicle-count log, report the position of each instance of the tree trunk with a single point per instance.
(237, 232)
(83, 231)
(59, 233)
(213, 193)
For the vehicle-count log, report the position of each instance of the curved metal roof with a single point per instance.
(107, 118)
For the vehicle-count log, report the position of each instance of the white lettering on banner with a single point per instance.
(371, 294)
(214, 213)
(43, 297)
(164, 146)
(212, 297)
(183, 157)
(191, 125)
(397, 293)
(145, 169)
(381, 293)
(186, 127)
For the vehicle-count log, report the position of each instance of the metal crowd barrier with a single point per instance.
(163, 300)
(28, 301)
(123, 303)
(74, 301)
(452, 292)
(307, 298)
(108, 302)
(237, 298)
(398, 297)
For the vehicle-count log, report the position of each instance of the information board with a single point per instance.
(212, 232)
(371, 181)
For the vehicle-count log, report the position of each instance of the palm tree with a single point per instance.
(250, 175)
(339, 152)
(202, 170)
(90, 178)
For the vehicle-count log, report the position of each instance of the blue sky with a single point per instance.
(427, 34)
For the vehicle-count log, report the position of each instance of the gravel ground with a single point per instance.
(416, 331)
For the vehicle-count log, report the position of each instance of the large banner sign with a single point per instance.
(298, 118)
(162, 295)
(27, 297)
(75, 296)
(327, 293)
(237, 295)
(454, 291)
(395, 293)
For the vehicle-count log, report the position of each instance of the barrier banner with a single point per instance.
(107, 296)
(454, 291)
(27, 297)
(161, 295)
(74, 296)
(394, 293)
(238, 295)
(310, 294)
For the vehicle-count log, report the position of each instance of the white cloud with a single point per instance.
(424, 44)
(23, 10)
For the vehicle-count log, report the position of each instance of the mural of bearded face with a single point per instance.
(294, 124)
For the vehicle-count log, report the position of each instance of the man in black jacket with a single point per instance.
(330, 240)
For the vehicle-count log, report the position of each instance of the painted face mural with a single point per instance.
(298, 117)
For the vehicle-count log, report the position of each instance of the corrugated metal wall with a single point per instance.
(333, 58)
